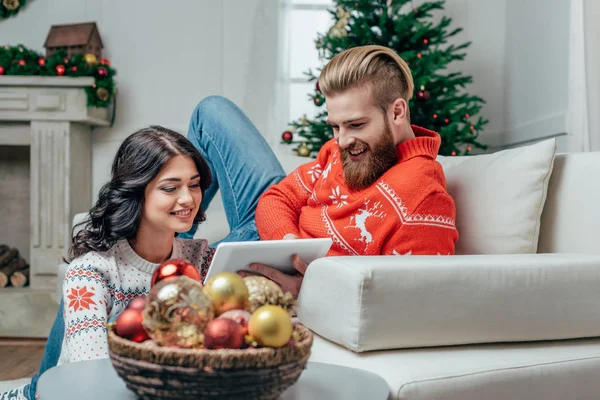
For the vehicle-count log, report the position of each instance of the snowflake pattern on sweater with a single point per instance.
(99, 286)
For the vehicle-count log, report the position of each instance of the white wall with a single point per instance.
(168, 56)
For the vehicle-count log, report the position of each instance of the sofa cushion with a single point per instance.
(556, 370)
(389, 302)
(500, 197)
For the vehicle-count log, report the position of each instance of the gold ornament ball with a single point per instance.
(11, 4)
(227, 291)
(176, 312)
(270, 326)
(90, 58)
(102, 94)
(303, 151)
(264, 291)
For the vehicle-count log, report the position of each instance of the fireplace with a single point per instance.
(45, 179)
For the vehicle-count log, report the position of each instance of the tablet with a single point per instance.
(236, 256)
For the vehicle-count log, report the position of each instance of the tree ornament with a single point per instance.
(425, 41)
(303, 150)
(129, 325)
(304, 121)
(90, 58)
(60, 69)
(41, 62)
(472, 128)
(469, 148)
(11, 5)
(240, 316)
(103, 95)
(227, 291)
(425, 95)
(287, 136)
(137, 304)
(447, 121)
(318, 101)
(270, 326)
(101, 72)
(453, 153)
(74, 68)
(22, 63)
(263, 291)
(177, 311)
(105, 61)
(223, 333)
(1, 70)
(173, 267)
(318, 87)
(467, 116)
(435, 116)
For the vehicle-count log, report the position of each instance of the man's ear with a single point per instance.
(400, 110)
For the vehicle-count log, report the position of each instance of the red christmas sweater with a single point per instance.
(406, 211)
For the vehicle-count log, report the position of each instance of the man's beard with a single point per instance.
(379, 158)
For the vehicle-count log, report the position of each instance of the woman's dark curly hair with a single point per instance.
(116, 215)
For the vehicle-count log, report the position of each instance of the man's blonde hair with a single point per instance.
(380, 67)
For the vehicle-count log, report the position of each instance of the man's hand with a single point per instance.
(288, 283)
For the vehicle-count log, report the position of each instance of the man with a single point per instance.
(375, 188)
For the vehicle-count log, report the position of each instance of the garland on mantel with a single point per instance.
(18, 60)
(8, 8)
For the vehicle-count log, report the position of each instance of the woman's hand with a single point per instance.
(288, 283)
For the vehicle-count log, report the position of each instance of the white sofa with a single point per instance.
(515, 316)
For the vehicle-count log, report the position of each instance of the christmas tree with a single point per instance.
(440, 101)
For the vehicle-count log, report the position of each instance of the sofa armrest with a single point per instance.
(388, 302)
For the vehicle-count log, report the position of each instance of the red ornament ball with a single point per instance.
(22, 63)
(287, 136)
(137, 304)
(425, 95)
(60, 69)
(41, 62)
(101, 72)
(74, 68)
(223, 333)
(1, 70)
(240, 316)
(318, 86)
(175, 267)
(129, 325)
(104, 61)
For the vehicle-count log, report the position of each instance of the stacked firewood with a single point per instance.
(14, 269)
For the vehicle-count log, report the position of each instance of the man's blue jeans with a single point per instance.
(242, 165)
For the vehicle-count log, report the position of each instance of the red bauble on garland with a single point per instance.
(60, 69)
(175, 267)
(101, 72)
(128, 325)
(1, 70)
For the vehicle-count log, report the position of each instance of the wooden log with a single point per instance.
(6, 271)
(7, 257)
(20, 278)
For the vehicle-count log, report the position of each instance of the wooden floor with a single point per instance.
(20, 358)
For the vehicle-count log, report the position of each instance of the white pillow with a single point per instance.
(500, 197)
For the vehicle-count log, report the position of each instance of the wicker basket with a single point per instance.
(154, 372)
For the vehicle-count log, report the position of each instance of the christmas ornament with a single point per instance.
(11, 4)
(240, 316)
(105, 61)
(270, 326)
(177, 312)
(173, 267)
(137, 304)
(227, 291)
(263, 291)
(90, 58)
(425, 95)
(287, 136)
(318, 87)
(223, 334)
(1, 70)
(74, 68)
(318, 101)
(60, 69)
(103, 95)
(128, 325)
(22, 63)
(41, 62)
(101, 72)
(303, 150)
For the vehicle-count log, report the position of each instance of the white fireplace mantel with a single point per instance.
(51, 116)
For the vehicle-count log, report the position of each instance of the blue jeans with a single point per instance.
(242, 165)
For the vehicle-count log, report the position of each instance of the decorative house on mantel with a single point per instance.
(75, 39)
